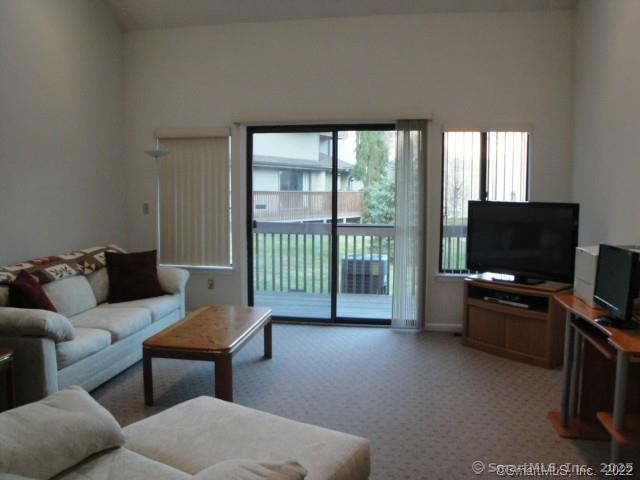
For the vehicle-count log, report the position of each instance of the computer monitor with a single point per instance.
(617, 285)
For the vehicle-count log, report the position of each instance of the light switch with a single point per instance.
(145, 208)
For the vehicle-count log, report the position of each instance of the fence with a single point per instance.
(296, 206)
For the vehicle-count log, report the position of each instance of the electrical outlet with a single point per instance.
(145, 208)
(210, 283)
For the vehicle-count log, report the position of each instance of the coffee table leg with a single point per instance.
(147, 375)
(267, 340)
(224, 378)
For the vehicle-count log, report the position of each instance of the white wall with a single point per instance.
(61, 135)
(606, 168)
(477, 69)
(266, 179)
(300, 145)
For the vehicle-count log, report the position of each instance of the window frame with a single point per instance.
(484, 134)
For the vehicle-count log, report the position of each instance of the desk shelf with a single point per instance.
(628, 437)
(597, 339)
(578, 428)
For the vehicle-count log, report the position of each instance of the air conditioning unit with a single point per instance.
(364, 274)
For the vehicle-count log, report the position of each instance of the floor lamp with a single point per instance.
(157, 151)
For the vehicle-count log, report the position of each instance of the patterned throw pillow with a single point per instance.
(56, 267)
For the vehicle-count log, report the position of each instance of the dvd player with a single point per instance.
(504, 301)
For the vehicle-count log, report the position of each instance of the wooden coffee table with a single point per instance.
(213, 333)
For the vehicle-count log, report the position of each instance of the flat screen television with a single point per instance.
(533, 241)
(616, 285)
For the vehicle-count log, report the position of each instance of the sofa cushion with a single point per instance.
(204, 431)
(120, 322)
(87, 342)
(26, 292)
(121, 464)
(99, 282)
(71, 296)
(41, 439)
(252, 470)
(159, 306)
(133, 276)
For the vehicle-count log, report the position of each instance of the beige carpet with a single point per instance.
(429, 405)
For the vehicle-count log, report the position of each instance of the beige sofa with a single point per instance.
(201, 439)
(89, 340)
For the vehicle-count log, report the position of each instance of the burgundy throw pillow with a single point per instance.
(133, 276)
(26, 292)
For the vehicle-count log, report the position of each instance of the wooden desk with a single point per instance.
(584, 375)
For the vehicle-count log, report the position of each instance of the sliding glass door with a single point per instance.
(366, 160)
(321, 221)
(291, 222)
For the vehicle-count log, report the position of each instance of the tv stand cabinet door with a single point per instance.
(527, 336)
(486, 326)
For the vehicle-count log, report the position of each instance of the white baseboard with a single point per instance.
(443, 327)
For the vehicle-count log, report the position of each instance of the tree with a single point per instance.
(373, 169)
(380, 199)
(372, 157)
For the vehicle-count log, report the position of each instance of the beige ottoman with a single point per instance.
(204, 431)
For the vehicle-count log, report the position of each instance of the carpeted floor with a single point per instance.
(429, 405)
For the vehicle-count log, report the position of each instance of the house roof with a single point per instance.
(323, 164)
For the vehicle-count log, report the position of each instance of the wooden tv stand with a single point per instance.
(532, 335)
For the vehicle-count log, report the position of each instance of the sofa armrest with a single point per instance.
(35, 367)
(173, 280)
(23, 322)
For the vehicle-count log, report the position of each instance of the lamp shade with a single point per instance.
(156, 150)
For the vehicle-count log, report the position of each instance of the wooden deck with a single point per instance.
(315, 305)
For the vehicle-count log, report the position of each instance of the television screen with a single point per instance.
(615, 286)
(528, 240)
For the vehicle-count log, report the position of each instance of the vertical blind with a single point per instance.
(194, 202)
(410, 239)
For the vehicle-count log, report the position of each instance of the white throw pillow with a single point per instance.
(242, 469)
(41, 439)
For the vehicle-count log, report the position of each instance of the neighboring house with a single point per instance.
(292, 179)
(298, 162)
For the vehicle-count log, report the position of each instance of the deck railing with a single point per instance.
(296, 257)
(278, 206)
(454, 248)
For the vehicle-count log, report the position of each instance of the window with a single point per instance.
(477, 166)
(290, 181)
(195, 202)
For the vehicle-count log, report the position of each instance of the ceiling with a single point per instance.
(152, 14)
